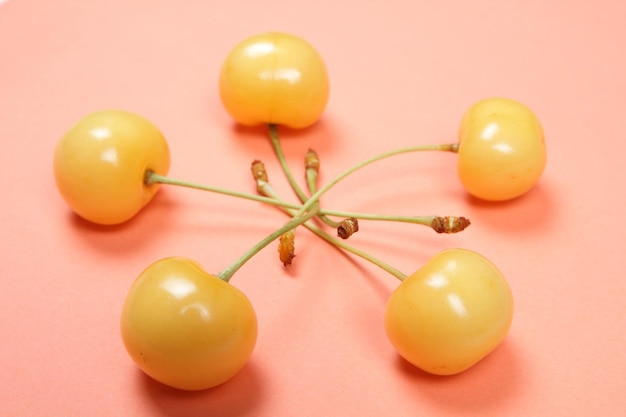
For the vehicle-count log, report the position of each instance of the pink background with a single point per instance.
(402, 73)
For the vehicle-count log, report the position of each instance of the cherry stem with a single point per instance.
(355, 251)
(273, 133)
(311, 173)
(419, 148)
(309, 209)
(154, 178)
(295, 221)
(275, 139)
(267, 190)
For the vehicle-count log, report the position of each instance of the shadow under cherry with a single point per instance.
(240, 396)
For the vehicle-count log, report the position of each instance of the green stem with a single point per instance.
(275, 139)
(306, 211)
(423, 220)
(337, 242)
(153, 178)
(295, 221)
(311, 180)
(268, 190)
(273, 132)
(354, 168)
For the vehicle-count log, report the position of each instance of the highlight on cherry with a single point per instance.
(191, 329)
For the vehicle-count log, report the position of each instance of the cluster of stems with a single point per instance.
(303, 213)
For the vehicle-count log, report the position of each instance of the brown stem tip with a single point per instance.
(347, 227)
(312, 161)
(258, 170)
(286, 247)
(259, 174)
(449, 224)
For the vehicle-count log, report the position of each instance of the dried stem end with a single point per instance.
(347, 227)
(449, 224)
(286, 247)
(312, 161)
(260, 174)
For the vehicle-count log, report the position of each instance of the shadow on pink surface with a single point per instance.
(145, 227)
(528, 213)
(488, 384)
(322, 136)
(240, 396)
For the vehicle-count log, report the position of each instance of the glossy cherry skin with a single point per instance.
(274, 78)
(502, 151)
(186, 328)
(450, 313)
(100, 165)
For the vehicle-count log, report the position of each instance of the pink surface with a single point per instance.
(402, 73)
